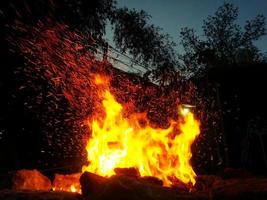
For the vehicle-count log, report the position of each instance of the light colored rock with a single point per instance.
(30, 180)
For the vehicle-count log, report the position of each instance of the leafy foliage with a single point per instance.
(133, 34)
(224, 43)
(90, 16)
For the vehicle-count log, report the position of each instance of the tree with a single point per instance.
(145, 42)
(88, 16)
(224, 41)
(132, 32)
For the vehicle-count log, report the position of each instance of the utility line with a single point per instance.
(119, 60)
(114, 50)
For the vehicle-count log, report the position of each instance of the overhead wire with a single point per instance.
(114, 50)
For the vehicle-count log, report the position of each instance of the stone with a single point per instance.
(30, 180)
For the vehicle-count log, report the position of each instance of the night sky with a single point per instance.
(172, 15)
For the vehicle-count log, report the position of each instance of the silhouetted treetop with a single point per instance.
(135, 35)
(224, 41)
(90, 16)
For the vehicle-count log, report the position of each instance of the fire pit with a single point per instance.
(120, 142)
(128, 184)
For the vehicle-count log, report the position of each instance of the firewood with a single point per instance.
(206, 182)
(152, 180)
(133, 172)
(121, 187)
(91, 183)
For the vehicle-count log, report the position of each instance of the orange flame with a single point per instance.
(120, 142)
(71, 188)
(67, 183)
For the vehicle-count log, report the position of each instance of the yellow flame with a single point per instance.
(119, 142)
(73, 189)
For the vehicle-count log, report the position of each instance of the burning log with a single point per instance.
(67, 183)
(30, 180)
(152, 180)
(133, 172)
(91, 183)
(122, 187)
(206, 182)
(115, 187)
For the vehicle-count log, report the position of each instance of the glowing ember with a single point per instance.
(122, 142)
(73, 188)
(67, 183)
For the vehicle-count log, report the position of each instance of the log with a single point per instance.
(121, 187)
(152, 180)
(206, 182)
(92, 184)
(133, 172)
